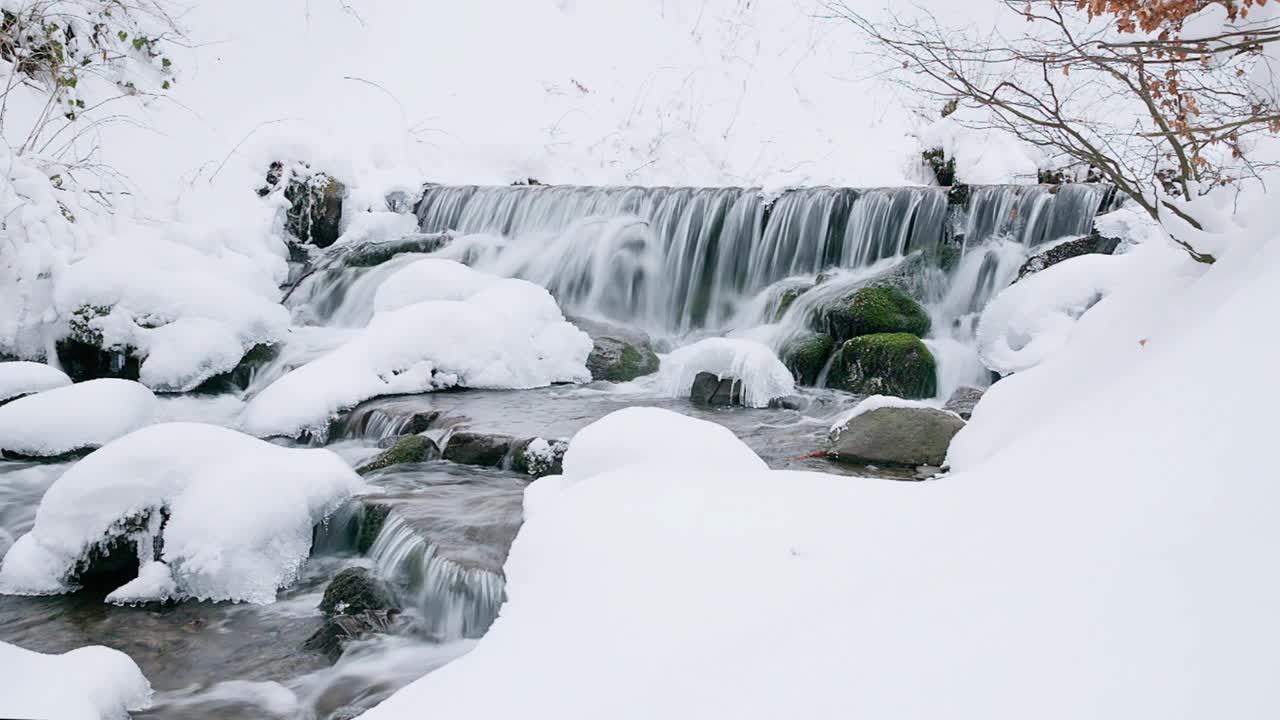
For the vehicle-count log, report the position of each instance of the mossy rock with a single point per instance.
(372, 519)
(896, 364)
(539, 457)
(354, 591)
(617, 354)
(786, 299)
(408, 449)
(806, 356)
(874, 310)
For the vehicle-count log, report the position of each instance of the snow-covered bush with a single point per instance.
(511, 334)
(75, 417)
(88, 683)
(213, 514)
(763, 376)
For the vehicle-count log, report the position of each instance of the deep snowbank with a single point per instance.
(234, 514)
(88, 683)
(1105, 551)
(510, 334)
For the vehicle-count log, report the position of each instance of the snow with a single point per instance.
(154, 583)
(88, 683)
(75, 417)
(763, 375)
(431, 279)
(25, 378)
(875, 402)
(509, 335)
(240, 513)
(651, 436)
(1034, 318)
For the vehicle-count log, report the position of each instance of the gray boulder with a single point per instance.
(963, 400)
(896, 435)
(711, 389)
(471, 448)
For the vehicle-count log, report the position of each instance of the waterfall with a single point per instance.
(455, 600)
(677, 260)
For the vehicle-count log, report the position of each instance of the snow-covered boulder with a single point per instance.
(508, 335)
(213, 514)
(652, 436)
(74, 418)
(760, 373)
(27, 378)
(179, 316)
(1034, 318)
(88, 683)
(896, 431)
(430, 279)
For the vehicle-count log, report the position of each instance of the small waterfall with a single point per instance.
(676, 260)
(455, 600)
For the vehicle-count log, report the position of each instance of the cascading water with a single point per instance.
(674, 260)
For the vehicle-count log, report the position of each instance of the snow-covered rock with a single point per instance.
(509, 335)
(88, 683)
(187, 314)
(75, 417)
(762, 375)
(651, 436)
(26, 378)
(234, 514)
(1033, 318)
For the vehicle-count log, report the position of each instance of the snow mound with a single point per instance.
(649, 436)
(187, 315)
(26, 378)
(763, 375)
(875, 402)
(233, 515)
(430, 279)
(88, 683)
(1033, 318)
(66, 419)
(509, 335)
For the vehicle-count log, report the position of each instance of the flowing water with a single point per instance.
(679, 263)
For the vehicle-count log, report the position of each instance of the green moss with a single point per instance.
(371, 522)
(632, 362)
(786, 300)
(871, 310)
(408, 449)
(885, 364)
(354, 591)
(806, 356)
